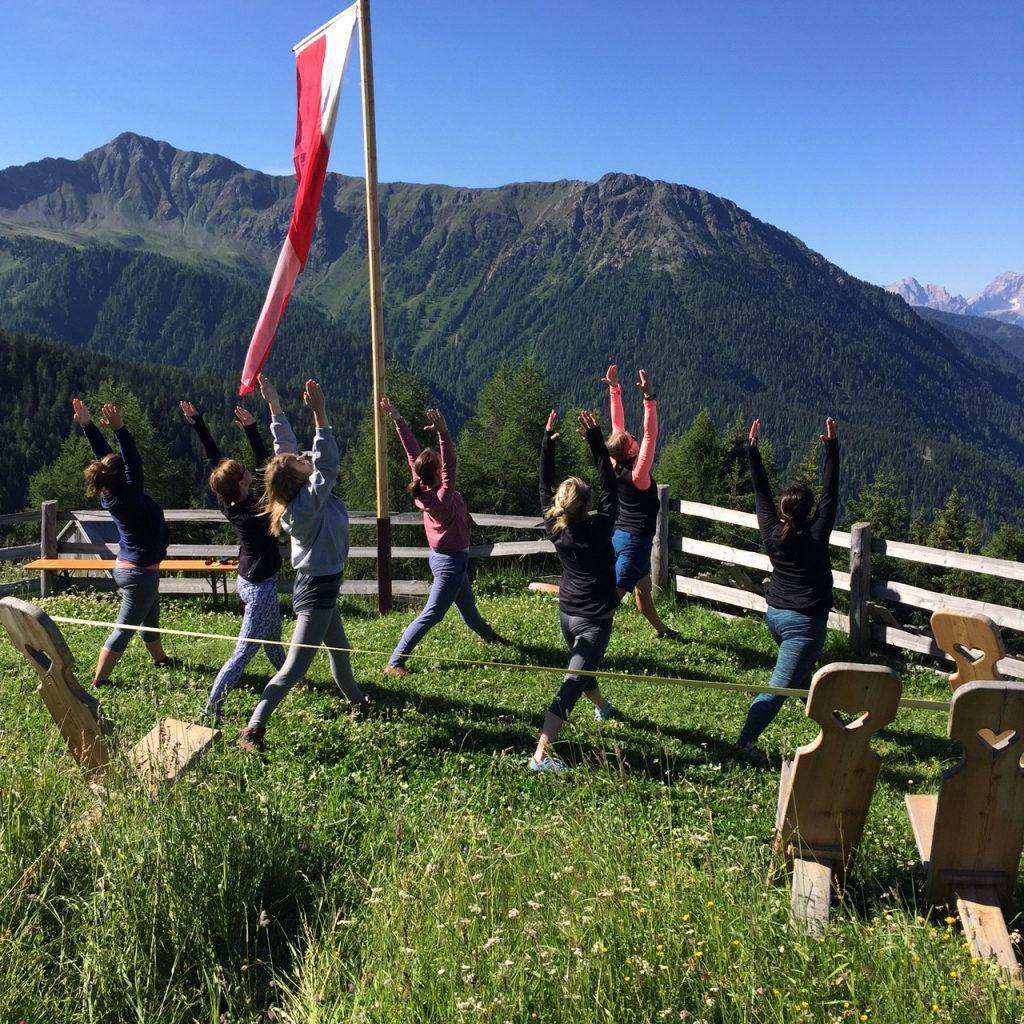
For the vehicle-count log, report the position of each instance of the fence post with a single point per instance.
(860, 589)
(659, 553)
(47, 546)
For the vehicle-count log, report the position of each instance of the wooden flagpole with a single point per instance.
(384, 573)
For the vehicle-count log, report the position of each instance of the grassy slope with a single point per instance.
(410, 868)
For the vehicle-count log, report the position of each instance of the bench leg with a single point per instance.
(984, 925)
(811, 895)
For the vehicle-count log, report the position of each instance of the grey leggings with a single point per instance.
(314, 626)
(140, 606)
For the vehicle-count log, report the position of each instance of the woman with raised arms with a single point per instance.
(587, 596)
(795, 535)
(299, 501)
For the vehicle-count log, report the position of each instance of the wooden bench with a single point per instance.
(970, 835)
(960, 634)
(825, 791)
(159, 757)
(213, 569)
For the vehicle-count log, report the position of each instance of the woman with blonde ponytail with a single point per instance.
(299, 501)
(587, 597)
(800, 593)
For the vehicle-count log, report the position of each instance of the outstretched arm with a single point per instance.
(195, 418)
(285, 442)
(133, 474)
(410, 445)
(611, 378)
(446, 447)
(246, 422)
(547, 464)
(828, 504)
(93, 434)
(608, 498)
(764, 502)
(645, 458)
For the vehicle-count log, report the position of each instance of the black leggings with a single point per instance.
(587, 640)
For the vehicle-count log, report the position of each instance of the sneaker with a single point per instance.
(362, 711)
(396, 670)
(167, 662)
(603, 714)
(547, 764)
(250, 739)
(752, 754)
(668, 633)
(100, 682)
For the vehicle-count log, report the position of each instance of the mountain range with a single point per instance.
(1002, 299)
(139, 251)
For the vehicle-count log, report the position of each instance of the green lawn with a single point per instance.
(410, 868)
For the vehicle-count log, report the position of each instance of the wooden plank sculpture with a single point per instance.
(160, 756)
(971, 834)
(825, 792)
(959, 634)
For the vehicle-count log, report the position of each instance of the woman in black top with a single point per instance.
(118, 479)
(259, 556)
(800, 592)
(587, 597)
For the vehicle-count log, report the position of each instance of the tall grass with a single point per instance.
(410, 868)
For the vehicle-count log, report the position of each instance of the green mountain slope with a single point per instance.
(138, 249)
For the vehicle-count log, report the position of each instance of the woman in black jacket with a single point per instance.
(587, 597)
(800, 592)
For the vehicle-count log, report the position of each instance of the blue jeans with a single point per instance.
(140, 606)
(632, 559)
(800, 639)
(451, 585)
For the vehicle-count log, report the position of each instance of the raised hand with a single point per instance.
(267, 389)
(550, 425)
(611, 377)
(437, 423)
(243, 418)
(644, 383)
(586, 421)
(388, 406)
(313, 396)
(755, 430)
(830, 430)
(188, 410)
(110, 417)
(82, 415)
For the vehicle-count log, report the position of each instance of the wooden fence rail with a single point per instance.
(867, 623)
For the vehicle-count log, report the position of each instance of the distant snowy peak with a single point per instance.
(1003, 299)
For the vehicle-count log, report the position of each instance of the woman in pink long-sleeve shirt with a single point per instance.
(446, 522)
(638, 498)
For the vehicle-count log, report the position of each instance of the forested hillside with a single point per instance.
(139, 250)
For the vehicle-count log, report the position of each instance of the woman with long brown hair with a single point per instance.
(300, 502)
(795, 535)
(118, 480)
(446, 522)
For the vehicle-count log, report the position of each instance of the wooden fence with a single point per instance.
(868, 622)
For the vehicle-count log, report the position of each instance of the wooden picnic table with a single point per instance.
(213, 568)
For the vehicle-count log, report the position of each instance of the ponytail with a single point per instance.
(572, 499)
(225, 479)
(280, 486)
(424, 471)
(104, 476)
(795, 504)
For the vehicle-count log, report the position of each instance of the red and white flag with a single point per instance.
(320, 64)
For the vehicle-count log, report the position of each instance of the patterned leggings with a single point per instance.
(262, 621)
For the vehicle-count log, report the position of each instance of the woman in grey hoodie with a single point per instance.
(300, 502)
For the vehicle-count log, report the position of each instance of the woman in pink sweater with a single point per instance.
(446, 522)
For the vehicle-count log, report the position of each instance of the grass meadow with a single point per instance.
(410, 868)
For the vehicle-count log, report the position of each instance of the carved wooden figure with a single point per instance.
(159, 756)
(971, 834)
(825, 792)
(960, 633)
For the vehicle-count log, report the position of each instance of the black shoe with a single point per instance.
(752, 755)
(250, 739)
(167, 662)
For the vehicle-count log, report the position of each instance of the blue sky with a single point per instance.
(888, 136)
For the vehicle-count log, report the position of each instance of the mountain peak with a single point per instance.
(1002, 298)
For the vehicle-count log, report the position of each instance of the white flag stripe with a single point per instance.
(339, 44)
(317, 33)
